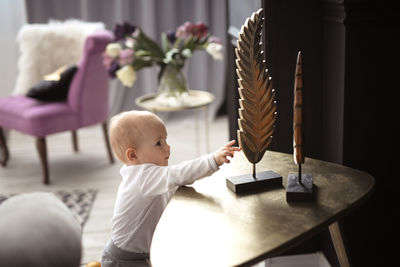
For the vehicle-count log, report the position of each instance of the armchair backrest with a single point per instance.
(46, 47)
(89, 89)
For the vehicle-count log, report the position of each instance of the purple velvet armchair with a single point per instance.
(87, 104)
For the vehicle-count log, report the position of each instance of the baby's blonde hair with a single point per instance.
(126, 131)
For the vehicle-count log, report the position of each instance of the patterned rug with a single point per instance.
(78, 201)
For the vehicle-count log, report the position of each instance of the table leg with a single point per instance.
(338, 243)
(207, 129)
(196, 114)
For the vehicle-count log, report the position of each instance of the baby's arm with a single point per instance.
(220, 156)
(156, 180)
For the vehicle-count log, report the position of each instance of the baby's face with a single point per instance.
(153, 147)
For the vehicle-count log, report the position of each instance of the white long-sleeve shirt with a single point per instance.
(143, 194)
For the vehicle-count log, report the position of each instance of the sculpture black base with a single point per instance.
(246, 183)
(296, 192)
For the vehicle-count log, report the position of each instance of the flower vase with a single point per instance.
(172, 88)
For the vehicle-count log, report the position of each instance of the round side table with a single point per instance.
(195, 100)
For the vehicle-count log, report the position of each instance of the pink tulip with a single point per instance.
(214, 39)
(126, 57)
(107, 60)
(200, 30)
(184, 30)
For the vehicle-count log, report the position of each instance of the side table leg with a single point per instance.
(196, 114)
(207, 129)
(338, 243)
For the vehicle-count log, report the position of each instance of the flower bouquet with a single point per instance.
(133, 50)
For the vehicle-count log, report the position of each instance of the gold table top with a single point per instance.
(208, 225)
(194, 99)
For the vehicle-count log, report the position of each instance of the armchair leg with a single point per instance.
(75, 141)
(42, 150)
(4, 149)
(107, 141)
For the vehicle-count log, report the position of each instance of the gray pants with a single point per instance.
(116, 257)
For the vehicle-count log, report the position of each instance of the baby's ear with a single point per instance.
(131, 155)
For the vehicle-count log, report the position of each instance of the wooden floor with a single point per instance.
(90, 169)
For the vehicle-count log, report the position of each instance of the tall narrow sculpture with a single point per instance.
(298, 154)
(299, 186)
(257, 112)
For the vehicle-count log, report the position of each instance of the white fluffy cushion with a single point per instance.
(46, 47)
(38, 230)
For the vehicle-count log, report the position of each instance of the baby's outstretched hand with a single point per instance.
(220, 156)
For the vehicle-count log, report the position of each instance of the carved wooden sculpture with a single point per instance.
(257, 112)
(299, 186)
(298, 115)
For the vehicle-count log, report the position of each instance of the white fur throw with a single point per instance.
(46, 47)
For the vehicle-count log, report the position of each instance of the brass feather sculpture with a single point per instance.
(257, 111)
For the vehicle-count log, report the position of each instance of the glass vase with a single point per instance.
(172, 89)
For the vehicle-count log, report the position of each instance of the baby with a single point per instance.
(139, 140)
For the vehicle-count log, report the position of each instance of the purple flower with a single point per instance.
(121, 30)
(171, 36)
(113, 69)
